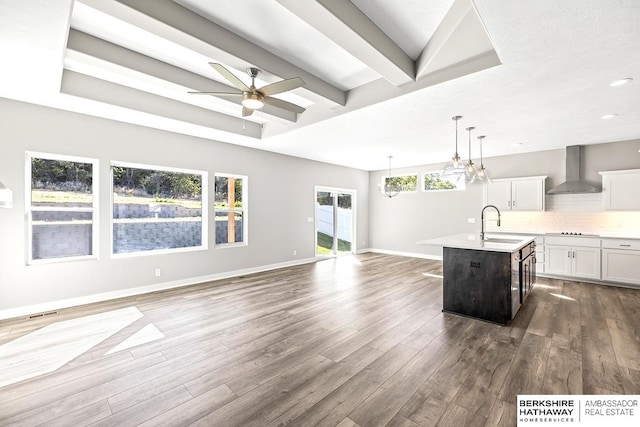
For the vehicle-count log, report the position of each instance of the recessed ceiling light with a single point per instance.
(609, 116)
(621, 82)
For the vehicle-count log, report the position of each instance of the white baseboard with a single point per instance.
(406, 254)
(105, 296)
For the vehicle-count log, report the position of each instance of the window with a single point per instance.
(61, 205)
(230, 209)
(434, 181)
(157, 209)
(407, 183)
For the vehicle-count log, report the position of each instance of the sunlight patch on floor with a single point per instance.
(147, 334)
(562, 296)
(51, 347)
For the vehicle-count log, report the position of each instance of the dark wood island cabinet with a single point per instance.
(488, 279)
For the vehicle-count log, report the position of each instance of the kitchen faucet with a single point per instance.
(482, 219)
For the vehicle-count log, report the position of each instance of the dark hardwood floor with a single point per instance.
(354, 341)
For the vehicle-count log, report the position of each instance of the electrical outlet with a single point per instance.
(158, 272)
(471, 220)
(295, 252)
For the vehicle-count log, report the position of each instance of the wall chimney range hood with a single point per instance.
(573, 184)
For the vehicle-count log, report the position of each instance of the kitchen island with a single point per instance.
(487, 279)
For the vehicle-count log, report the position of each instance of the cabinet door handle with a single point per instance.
(625, 246)
(574, 254)
(568, 254)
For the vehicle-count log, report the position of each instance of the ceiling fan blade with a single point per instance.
(281, 86)
(246, 111)
(230, 76)
(283, 104)
(221, 94)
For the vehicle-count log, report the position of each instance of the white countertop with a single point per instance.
(472, 241)
(601, 235)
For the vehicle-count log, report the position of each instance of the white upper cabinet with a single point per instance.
(620, 190)
(517, 194)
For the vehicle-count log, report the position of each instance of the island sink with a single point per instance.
(500, 240)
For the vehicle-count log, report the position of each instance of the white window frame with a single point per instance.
(204, 209)
(439, 172)
(396, 175)
(245, 210)
(29, 209)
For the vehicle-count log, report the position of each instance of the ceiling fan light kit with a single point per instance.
(252, 101)
(253, 98)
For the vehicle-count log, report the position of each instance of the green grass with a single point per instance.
(59, 197)
(325, 243)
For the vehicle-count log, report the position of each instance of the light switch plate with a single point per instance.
(471, 220)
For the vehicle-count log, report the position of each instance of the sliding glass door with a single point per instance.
(335, 221)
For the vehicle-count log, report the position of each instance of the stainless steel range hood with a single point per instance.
(573, 184)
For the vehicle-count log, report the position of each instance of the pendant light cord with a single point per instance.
(470, 129)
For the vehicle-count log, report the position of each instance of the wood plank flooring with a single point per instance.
(353, 341)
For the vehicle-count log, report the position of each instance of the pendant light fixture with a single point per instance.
(6, 196)
(482, 172)
(390, 190)
(454, 169)
(470, 170)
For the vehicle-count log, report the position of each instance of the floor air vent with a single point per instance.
(48, 313)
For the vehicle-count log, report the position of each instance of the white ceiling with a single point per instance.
(382, 78)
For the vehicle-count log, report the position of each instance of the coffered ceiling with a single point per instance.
(382, 78)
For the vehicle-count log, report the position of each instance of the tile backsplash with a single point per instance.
(571, 213)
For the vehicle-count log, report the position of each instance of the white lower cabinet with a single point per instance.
(579, 258)
(621, 261)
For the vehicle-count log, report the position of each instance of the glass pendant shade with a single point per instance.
(6, 196)
(470, 173)
(470, 170)
(455, 168)
(482, 175)
(389, 189)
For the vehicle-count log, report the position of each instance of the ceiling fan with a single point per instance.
(254, 98)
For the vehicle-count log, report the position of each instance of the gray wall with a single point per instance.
(280, 199)
(397, 224)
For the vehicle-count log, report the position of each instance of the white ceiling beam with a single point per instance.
(171, 21)
(351, 29)
(92, 46)
(33, 36)
(88, 87)
(460, 36)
